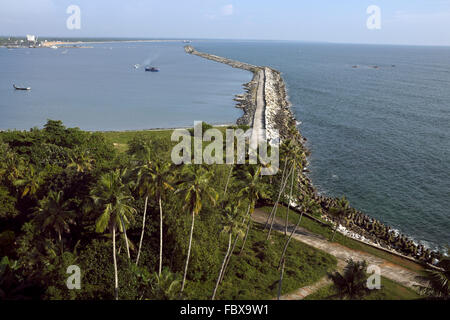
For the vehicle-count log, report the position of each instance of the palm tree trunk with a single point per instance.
(246, 236)
(229, 258)
(228, 180)
(143, 230)
(160, 236)
(248, 227)
(60, 241)
(189, 251)
(126, 238)
(275, 207)
(289, 204)
(116, 279)
(282, 179)
(281, 280)
(276, 204)
(222, 268)
(289, 240)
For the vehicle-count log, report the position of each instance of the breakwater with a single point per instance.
(273, 112)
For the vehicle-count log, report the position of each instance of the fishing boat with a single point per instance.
(21, 88)
(151, 69)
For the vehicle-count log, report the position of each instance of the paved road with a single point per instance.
(259, 121)
(389, 270)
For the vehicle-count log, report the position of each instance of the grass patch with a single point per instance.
(120, 139)
(390, 290)
(254, 274)
(327, 232)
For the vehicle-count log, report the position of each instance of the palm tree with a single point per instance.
(352, 283)
(166, 286)
(144, 185)
(292, 158)
(196, 187)
(81, 161)
(31, 182)
(253, 189)
(162, 179)
(52, 214)
(111, 195)
(296, 162)
(275, 207)
(154, 178)
(341, 210)
(438, 281)
(307, 204)
(232, 221)
(12, 165)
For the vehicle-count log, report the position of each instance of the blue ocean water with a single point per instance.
(381, 136)
(99, 88)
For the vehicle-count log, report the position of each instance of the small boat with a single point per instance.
(136, 66)
(21, 88)
(151, 69)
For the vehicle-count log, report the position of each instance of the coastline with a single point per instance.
(278, 115)
(63, 43)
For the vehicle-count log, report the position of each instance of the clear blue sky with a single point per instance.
(403, 21)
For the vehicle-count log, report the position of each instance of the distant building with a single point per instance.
(31, 38)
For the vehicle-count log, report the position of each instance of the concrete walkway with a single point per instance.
(388, 270)
(259, 122)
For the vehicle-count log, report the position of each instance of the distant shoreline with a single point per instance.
(60, 43)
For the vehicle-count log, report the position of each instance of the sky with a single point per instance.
(403, 22)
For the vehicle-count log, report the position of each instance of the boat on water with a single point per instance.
(21, 88)
(151, 69)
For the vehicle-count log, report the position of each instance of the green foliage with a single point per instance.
(390, 290)
(81, 185)
(352, 283)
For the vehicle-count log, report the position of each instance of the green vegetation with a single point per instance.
(390, 290)
(70, 197)
(327, 232)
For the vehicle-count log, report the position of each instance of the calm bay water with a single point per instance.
(99, 88)
(379, 136)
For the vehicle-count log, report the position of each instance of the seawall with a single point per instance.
(266, 106)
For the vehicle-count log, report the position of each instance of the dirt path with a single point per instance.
(389, 270)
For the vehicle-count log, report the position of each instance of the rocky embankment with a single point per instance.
(276, 117)
(276, 114)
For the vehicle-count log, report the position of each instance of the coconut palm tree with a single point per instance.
(81, 161)
(30, 182)
(352, 283)
(166, 286)
(307, 205)
(275, 207)
(144, 185)
(438, 281)
(341, 210)
(296, 162)
(162, 180)
(253, 190)
(232, 225)
(53, 214)
(196, 187)
(111, 195)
